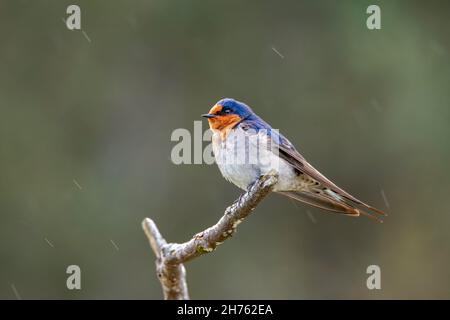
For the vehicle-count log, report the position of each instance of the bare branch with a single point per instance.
(171, 276)
(154, 236)
(171, 256)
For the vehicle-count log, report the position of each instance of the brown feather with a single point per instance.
(297, 161)
(321, 202)
(327, 203)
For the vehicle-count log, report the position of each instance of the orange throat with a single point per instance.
(223, 124)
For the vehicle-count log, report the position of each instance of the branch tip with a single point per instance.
(171, 256)
(154, 236)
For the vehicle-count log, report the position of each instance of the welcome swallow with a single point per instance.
(246, 147)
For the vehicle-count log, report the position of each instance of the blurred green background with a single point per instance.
(85, 145)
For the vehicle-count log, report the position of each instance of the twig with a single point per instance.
(171, 256)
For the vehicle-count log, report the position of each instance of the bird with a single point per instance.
(246, 147)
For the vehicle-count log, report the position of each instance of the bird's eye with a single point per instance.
(227, 110)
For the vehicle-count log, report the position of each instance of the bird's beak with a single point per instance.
(208, 115)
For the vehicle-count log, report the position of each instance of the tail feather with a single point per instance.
(366, 206)
(331, 201)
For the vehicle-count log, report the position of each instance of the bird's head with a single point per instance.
(227, 113)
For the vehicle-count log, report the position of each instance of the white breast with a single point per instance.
(244, 156)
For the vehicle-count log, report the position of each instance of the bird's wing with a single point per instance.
(338, 200)
(323, 194)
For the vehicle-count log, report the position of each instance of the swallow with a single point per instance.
(245, 147)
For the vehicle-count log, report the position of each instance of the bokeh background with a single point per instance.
(85, 145)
